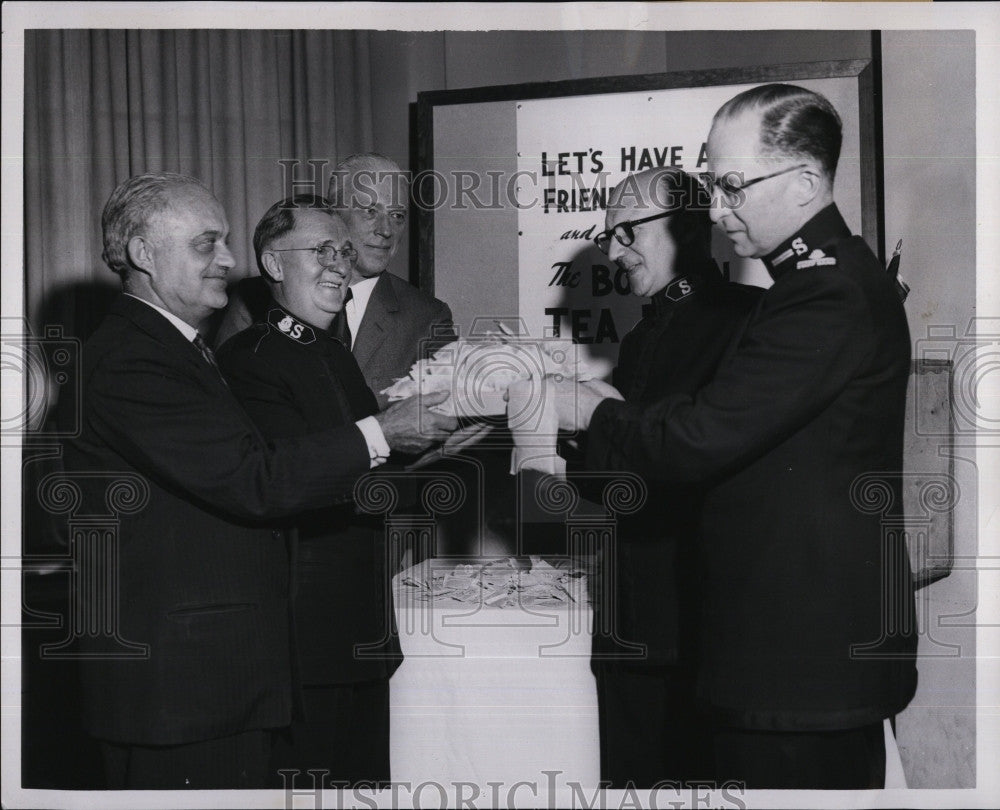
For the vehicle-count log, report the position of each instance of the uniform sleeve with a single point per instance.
(263, 392)
(170, 426)
(808, 340)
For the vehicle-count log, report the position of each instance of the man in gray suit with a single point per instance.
(391, 323)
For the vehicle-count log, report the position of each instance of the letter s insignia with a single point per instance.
(799, 246)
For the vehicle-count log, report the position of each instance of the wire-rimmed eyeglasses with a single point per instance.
(327, 253)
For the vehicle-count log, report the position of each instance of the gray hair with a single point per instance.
(794, 122)
(130, 209)
(344, 190)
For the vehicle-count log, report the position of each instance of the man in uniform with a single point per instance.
(200, 579)
(387, 323)
(807, 623)
(655, 233)
(294, 378)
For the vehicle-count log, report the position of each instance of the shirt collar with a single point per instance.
(816, 234)
(361, 292)
(189, 332)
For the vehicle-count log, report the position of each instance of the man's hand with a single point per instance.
(409, 426)
(603, 390)
(576, 402)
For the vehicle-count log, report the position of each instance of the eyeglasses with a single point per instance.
(327, 254)
(730, 190)
(624, 232)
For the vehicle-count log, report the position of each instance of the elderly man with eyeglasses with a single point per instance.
(197, 674)
(387, 323)
(659, 232)
(807, 627)
(293, 377)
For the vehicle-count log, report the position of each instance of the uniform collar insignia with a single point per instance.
(680, 288)
(811, 246)
(677, 290)
(816, 259)
(290, 326)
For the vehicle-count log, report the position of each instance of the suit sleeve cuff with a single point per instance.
(378, 447)
(603, 433)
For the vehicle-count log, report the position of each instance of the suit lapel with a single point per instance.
(377, 322)
(151, 322)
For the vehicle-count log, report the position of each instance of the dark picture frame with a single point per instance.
(930, 538)
(867, 72)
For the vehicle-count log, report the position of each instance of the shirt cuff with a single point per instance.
(378, 447)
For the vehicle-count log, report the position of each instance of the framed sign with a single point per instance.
(511, 184)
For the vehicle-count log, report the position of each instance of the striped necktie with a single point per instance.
(201, 345)
(206, 352)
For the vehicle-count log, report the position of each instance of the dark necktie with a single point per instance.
(341, 330)
(207, 353)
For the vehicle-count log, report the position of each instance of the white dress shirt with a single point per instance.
(183, 327)
(361, 292)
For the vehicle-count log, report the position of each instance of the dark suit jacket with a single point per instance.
(799, 577)
(200, 579)
(675, 348)
(295, 380)
(400, 325)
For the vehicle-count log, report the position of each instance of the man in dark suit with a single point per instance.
(391, 323)
(649, 731)
(294, 378)
(202, 580)
(807, 628)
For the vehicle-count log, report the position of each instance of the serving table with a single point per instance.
(495, 685)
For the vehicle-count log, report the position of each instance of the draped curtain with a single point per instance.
(222, 106)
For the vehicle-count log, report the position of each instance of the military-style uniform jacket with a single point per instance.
(675, 348)
(808, 614)
(294, 379)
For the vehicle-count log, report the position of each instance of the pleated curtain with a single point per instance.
(223, 106)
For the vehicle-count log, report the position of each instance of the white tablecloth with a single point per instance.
(494, 695)
(488, 695)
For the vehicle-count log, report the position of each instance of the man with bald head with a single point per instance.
(658, 235)
(807, 625)
(388, 323)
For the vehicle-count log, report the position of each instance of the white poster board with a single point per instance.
(572, 150)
